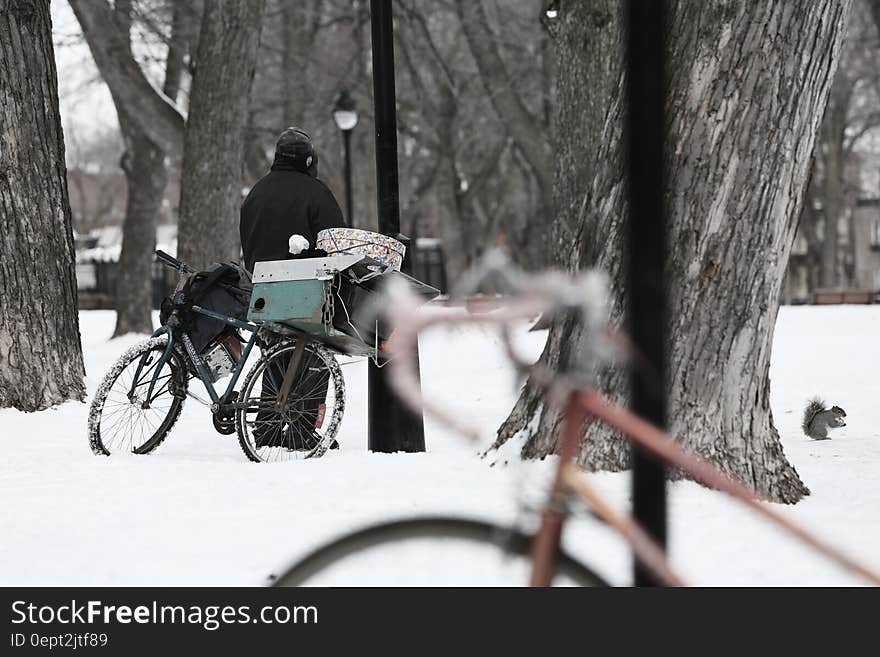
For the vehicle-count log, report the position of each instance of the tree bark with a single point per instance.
(40, 354)
(746, 88)
(589, 168)
(214, 143)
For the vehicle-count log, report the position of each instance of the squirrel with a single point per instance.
(818, 419)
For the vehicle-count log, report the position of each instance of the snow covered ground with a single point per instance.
(198, 513)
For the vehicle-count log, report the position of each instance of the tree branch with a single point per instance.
(525, 129)
(132, 92)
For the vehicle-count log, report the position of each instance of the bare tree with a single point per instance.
(465, 177)
(152, 112)
(850, 116)
(525, 127)
(462, 176)
(214, 143)
(40, 354)
(477, 179)
(734, 191)
(152, 129)
(144, 165)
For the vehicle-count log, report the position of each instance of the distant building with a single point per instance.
(866, 244)
(99, 198)
(858, 261)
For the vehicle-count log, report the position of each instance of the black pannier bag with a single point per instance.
(224, 288)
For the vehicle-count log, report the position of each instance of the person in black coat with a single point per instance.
(289, 200)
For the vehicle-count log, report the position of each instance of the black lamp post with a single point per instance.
(346, 117)
(392, 427)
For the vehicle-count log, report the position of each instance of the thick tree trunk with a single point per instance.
(747, 85)
(589, 169)
(40, 354)
(214, 143)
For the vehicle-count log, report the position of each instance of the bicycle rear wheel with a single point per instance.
(307, 424)
(430, 551)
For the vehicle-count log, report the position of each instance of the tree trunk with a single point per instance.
(214, 142)
(144, 166)
(588, 168)
(146, 177)
(832, 135)
(301, 20)
(108, 34)
(184, 33)
(40, 354)
(747, 85)
(874, 8)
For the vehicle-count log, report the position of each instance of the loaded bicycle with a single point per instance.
(300, 314)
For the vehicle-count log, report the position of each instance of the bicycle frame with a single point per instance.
(591, 404)
(201, 371)
(218, 402)
(584, 405)
(570, 479)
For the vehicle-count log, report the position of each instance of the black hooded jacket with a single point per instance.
(284, 202)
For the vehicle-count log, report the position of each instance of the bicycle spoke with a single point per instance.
(290, 432)
(124, 423)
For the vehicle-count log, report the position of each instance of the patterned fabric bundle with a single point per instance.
(386, 250)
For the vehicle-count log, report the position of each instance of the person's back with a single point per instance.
(288, 200)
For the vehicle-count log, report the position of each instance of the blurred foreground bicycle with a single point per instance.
(434, 550)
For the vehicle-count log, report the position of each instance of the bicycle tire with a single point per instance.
(506, 540)
(178, 377)
(335, 414)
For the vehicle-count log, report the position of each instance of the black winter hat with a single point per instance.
(296, 145)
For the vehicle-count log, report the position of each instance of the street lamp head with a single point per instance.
(344, 112)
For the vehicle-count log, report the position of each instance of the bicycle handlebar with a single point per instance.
(529, 295)
(171, 261)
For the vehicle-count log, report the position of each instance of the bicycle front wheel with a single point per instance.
(122, 418)
(430, 551)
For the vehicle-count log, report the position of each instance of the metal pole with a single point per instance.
(346, 137)
(647, 249)
(392, 426)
